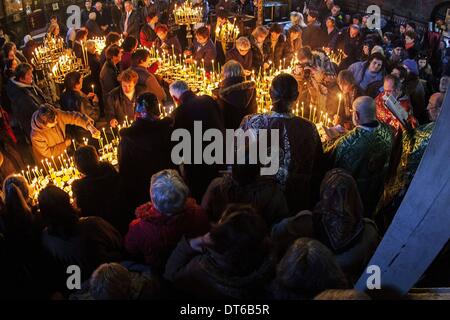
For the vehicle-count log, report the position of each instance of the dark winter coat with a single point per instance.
(25, 100)
(74, 101)
(236, 99)
(144, 150)
(263, 194)
(246, 61)
(108, 78)
(119, 107)
(204, 109)
(134, 23)
(209, 275)
(281, 53)
(95, 193)
(206, 52)
(313, 36)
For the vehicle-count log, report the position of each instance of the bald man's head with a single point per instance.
(434, 105)
(364, 111)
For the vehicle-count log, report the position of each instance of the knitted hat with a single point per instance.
(412, 66)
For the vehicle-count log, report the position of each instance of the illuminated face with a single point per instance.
(354, 32)
(375, 65)
(409, 40)
(443, 84)
(330, 24)
(14, 64)
(422, 63)
(162, 35)
(28, 78)
(389, 87)
(294, 35)
(402, 29)
(409, 28)
(98, 6)
(128, 7)
(243, 52)
(274, 36)
(261, 38)
(398, 51)
(128, 86)
(335, 11)
(88, 5)
(53, 124)
(200, 39)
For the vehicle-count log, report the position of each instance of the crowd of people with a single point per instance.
(149, 229)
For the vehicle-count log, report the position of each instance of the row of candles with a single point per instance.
(61, 170)
(187, 14)
(227, 32)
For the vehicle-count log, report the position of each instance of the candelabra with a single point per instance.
(227, 34)
(188, 15)
(68, 63)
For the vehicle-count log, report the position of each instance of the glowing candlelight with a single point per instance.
(339, 105)
(53, 159)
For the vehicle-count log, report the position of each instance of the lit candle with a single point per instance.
(314, 114)
(53, 160)
(92, 87)
(43, 165)
(339, 105)
(310, 112)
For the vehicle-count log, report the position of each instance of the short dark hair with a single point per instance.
(80, 34)
(149, 102)
(377, 56)
(203, 32)
(112, 51)
(139, 56)
(332, 19)
(410, 34)
(276, 27)
(239, 236)
(284, 92)
(313, 14)
(86, 159)
(46, 114)
(402, 69)
(305, 52)
(22, 70)
(7, 47)
(129, 43)
(111, 38)
(71, 80)
(412, 25)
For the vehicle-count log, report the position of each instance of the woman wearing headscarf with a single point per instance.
(337, 221)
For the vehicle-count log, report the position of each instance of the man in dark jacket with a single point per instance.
(116, 14)
(242, 54)
(130, 22)
(104, 19)
(92, 26)
(95, 193)
(259, 48)
(110, 70)
(331, 34)
(121, 101)
(25, 97)
(279, 49)
(204, 50)
(350, 41)
(192, 108)
(144, 150)
(312, 36)
(85, 12)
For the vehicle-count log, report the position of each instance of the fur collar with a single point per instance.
(246, 85)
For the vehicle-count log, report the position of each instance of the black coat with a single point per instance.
(204, 109)
(93, 28)
(236, 99)
(207, 53)
(25, 100)
(352, 47)
(73, 101)
(85, 15)
(246, 61)
(116, 17)
(103, 17)
(119, 107)
(134, 24)
(313, 36)
(331, 39)
(108, 78)
(144, 150)
(258, 57)
(281, 52)
(95, 194)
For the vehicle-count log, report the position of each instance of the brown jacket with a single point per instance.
(49, 142)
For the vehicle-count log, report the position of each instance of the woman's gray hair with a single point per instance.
(232, 69)
(177, 88)
(168, 192)
(110, 281)
(260, 31)
(243, 43)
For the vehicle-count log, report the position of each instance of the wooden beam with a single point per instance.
(421, 226)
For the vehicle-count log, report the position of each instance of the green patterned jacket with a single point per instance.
(365, 153)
